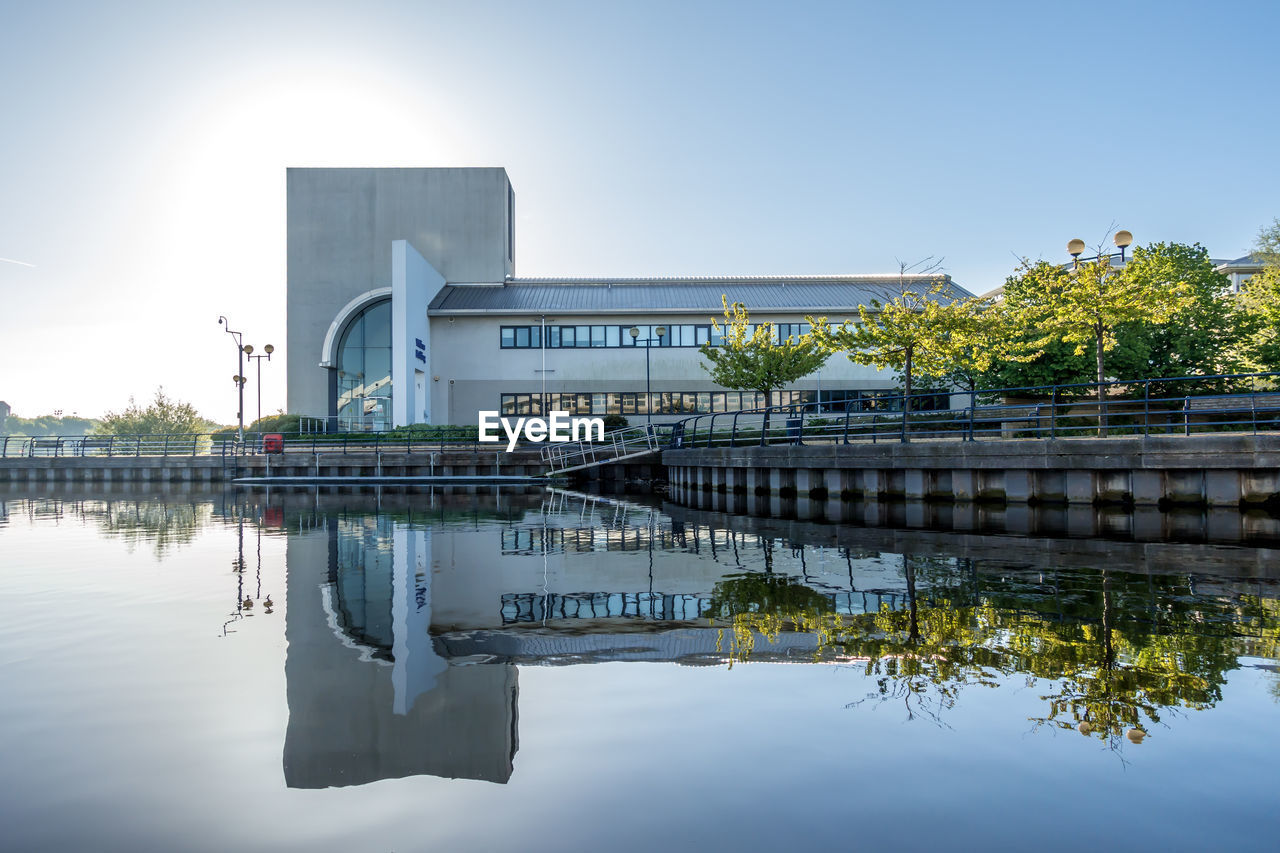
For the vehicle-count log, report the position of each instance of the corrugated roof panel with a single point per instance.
(565, 296)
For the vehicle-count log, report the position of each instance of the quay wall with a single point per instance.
(1219, 469)
(217, 469)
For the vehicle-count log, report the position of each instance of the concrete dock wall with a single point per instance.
(1221, 469)
(215, 469)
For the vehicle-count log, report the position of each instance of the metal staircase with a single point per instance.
(623, 444)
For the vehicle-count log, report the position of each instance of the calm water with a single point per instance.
(544, 671)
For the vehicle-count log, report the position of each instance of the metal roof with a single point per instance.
(1247, 262)
(808, 294)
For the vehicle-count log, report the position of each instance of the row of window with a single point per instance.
(676, 335)
(703, 402)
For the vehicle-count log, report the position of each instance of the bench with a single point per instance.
(86, 446)
(1253, 409)
(1007, 417)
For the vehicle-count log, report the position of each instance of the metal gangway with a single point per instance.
(617, 446)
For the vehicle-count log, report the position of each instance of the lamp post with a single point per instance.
(266, 353)
(543, 408)
(239, 377)
(1122, 239)
(661, 331)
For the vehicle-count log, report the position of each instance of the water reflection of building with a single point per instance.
(405, 627)
(369, 697)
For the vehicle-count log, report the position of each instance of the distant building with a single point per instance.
(4, 415)
(404, 307)
(1240, 270)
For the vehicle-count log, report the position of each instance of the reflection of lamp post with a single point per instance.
(266, 353)
(239, 377)
(648, 397)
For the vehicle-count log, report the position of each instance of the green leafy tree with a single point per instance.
(1200, 338)
(47, 425)
(1054, 363)
(1267, 246)
(163, 417)
(932, 333)
(977, 336)
(1085, 305)
(749, 360)
(1260, 303)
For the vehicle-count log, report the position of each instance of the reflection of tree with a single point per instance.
(1117, 651)
(161, 526)
(764, 604)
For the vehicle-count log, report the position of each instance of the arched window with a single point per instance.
(364, 370)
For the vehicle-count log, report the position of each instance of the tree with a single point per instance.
(1267, 246)
(1260, 303)
(1200, 338)
(933, 333)
(1086, 304)
(978, 336)
(47, 425)
(163, 417)
(749, 360)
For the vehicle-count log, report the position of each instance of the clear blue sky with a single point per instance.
(143, 149)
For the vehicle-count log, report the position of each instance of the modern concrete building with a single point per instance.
(404, 307)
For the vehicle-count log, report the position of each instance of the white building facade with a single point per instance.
(404, 308)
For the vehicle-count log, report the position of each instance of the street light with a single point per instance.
(1075, 248)
(239, 377)
(266, 353)
(1123, 240)
(661, 331)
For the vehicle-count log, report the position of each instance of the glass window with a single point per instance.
(598, 404)
(364, 370)
(629, 404)
(583, 336)
(701, 335)
(535, 336)
(553, 336)
(522, 336)
(717, 336)
(613, 405)
(686, 336)
(611, 336)
(597, 336)
(508, 336)
(377, 325)
(704, 401)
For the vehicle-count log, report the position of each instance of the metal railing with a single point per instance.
(1180, 406)
(617, 445)
(1142, 407)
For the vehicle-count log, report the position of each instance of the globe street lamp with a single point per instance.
(661, 331)
(266, 353)
(239, 377)
(1122, 239)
